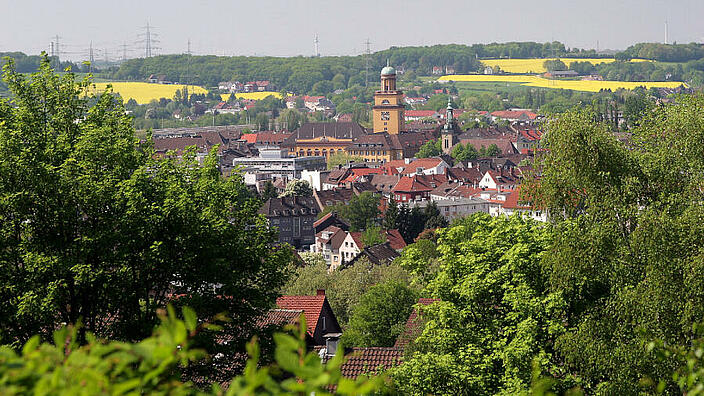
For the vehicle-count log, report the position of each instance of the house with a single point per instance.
(330, 219)
(328, 243)
(437, 70)
(417, 115)
(418, 100)
(320, 319)
(449, 70)
(416, 187)
(353, 245)
(425, 166)
(294, 217)
(499, 180)
(384, 183)
(380, 254)
(158, 79)
(453, 207)
(365, 361)
(226, 108)
(514, 203)
(513, 115)
(337, 196)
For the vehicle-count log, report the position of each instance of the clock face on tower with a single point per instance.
(385, 116)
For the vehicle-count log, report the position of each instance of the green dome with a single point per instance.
(388, 70)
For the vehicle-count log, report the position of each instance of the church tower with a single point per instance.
(448, 133)
(387, 111)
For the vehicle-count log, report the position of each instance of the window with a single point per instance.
(385, 101)
(297, 226)
(385, 116)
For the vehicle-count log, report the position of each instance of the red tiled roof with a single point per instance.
(368, 360)
(419, 113)
(418, 183)
(414, 325)
(310, 305)
(425, 163)
(514, 114)
(393, 237)
(249, 137)
(279, 317)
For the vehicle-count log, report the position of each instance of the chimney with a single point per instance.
(320, 292)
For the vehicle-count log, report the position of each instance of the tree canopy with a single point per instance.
(95, 227)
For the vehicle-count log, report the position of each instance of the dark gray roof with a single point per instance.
(289, 206)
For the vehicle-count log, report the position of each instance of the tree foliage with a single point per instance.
(152, 366)
(380, 316)
(95, 227)
(495, 316)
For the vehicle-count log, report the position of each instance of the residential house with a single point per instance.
(425, 166)
(453, 208)
(499, 180)
(513, 115)
(353, 244)
(320, 319)
(416, 187)
(417, 115)
(330, 219)
(294, 218)
(328, 243)
(437, 70)
(380, 254)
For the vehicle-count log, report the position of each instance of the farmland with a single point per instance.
(536, 65)
(145, 92)
(576, 85)
(253, 95)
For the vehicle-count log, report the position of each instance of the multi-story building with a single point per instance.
(322, 138)
(294, 218)
(276, 163)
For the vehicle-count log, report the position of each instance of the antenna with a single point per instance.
(666, 32)
(316, 42)
(106, 57)
(367, 55)
(189, 47)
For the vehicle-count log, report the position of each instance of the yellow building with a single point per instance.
(387, 111)
(322, 138)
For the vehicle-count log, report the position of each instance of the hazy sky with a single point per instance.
(288, 27)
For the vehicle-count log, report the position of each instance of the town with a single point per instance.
(352, 199)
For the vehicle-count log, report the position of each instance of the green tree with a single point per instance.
(269, 191)
(96, 227)
(431, 148)
(342, 158)
(152, 365)
(373, 236)
(391, 215)
(493, 150)
(297, 188)
(361, 212)
(628, 241)
(343, 288)
(380, 316)
(554, 65)
(496, 313)
(261, 122)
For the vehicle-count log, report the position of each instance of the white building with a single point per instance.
(278, 164)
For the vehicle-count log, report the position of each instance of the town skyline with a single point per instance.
(289, 29)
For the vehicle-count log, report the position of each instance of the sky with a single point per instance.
(288, 27)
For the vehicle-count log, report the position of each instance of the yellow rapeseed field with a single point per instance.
(576, 85)
(145, 92)
(252, 95)
(536, 65)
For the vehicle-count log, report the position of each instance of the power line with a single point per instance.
(148, 40)
(316, 43)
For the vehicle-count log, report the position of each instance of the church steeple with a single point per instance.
(448, 131)
(388, 104)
